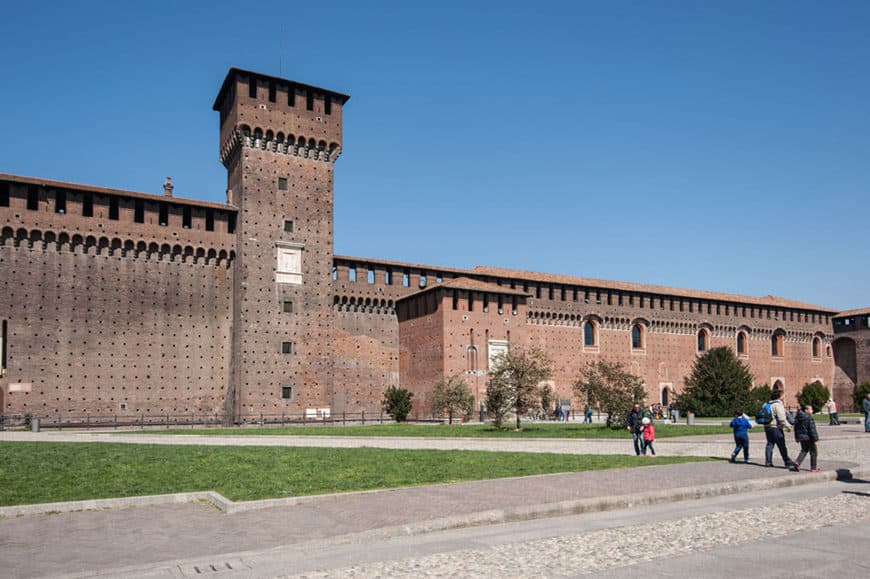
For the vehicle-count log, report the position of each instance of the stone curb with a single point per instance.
(493, 516)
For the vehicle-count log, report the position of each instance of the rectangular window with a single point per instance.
(186, 217)
(327, 105)
(286, 392)
(388, 277)
(282, 183)
(4, 194)
(286, 347)
(60, 201)
(370, 275)
(252, 88)
(406, 279)
(113, 208)
(272, 92)
(32, 198)
(209, 219)
(291, 96)
(288, 226)
(351, 274)
(139, 211)
(288, 306)
(309, 100)
(88, 205)
(164, 214)
(231, 223)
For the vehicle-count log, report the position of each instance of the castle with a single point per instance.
(124, 303)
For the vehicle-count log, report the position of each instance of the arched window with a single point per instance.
(637, 337)
(776, 341)
(741, 342)
(590, 334)
(703, 340)
(817, 347)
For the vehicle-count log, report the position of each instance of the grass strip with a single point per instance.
(533, 430)
(40, 472)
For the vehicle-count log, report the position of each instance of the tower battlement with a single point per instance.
(278, 114)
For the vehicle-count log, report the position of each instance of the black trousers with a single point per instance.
(776, 438)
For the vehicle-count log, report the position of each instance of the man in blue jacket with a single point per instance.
(740, 425)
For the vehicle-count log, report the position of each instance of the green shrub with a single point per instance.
(397, 403)
(815, 394)
(859, 394)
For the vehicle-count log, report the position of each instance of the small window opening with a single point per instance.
(272, 92)
(288, 226)
(702, 341)
(286, 392)
(370, 276)
(439, 278)
(186, 217)
(514, 310)
(60, 201)
(334, 273)
(470, 301)
(423, 280)
(309, 100)
(589, 334)
(122, 406)
(282, 183)
(164, 214)
(455, 300)
(231, 223)
(113, 208)
(286, 347)
(388, 277)
(500, 304)
(252, 88)
(291, 96)
(2, 347)
(327, 105)
(288, 306)
(139, 211)
(209, 219)
(4, 194)
(741, 342)
(351, 274)
(406, 279)
(637, 337)
(32, 198)
(88, 205)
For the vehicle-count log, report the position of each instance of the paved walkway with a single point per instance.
(89, 541)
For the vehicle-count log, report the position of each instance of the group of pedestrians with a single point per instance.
(775, 427)
(643, 431)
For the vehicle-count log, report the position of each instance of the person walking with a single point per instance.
(649, 435)
(806, 434)
(587, 417)
(773, 431)
(833, 415)
(634, 424)
(740, 425)
(865, 405)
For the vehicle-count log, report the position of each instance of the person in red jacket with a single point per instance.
(649, 436)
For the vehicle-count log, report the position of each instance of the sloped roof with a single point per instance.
(465, 283)
(860, 312)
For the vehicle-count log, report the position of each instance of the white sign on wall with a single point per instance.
(289, 266)
(496, 347)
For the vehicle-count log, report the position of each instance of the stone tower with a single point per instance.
(279, 140)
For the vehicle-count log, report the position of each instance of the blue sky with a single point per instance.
(722, 146)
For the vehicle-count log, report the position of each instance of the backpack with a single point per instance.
(764, 416)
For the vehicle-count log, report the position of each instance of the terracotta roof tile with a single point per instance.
(642, 288)
(469, 284)
(119, 192)
(860, 312)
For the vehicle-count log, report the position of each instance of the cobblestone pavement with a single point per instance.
(597, 551)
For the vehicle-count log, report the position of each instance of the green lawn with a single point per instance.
(33, 472)
(532, 430)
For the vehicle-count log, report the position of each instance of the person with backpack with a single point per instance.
(806, 434)
(775, 422)
(740, 425)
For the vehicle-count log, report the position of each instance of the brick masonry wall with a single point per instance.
(89, 335)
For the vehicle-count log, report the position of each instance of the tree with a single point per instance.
(452, 396)
(719, 384)
(859, 394)
(815, 394)
(611, 388)
(757, 397)
(517, 373)
(397, 403)
(498, 402)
